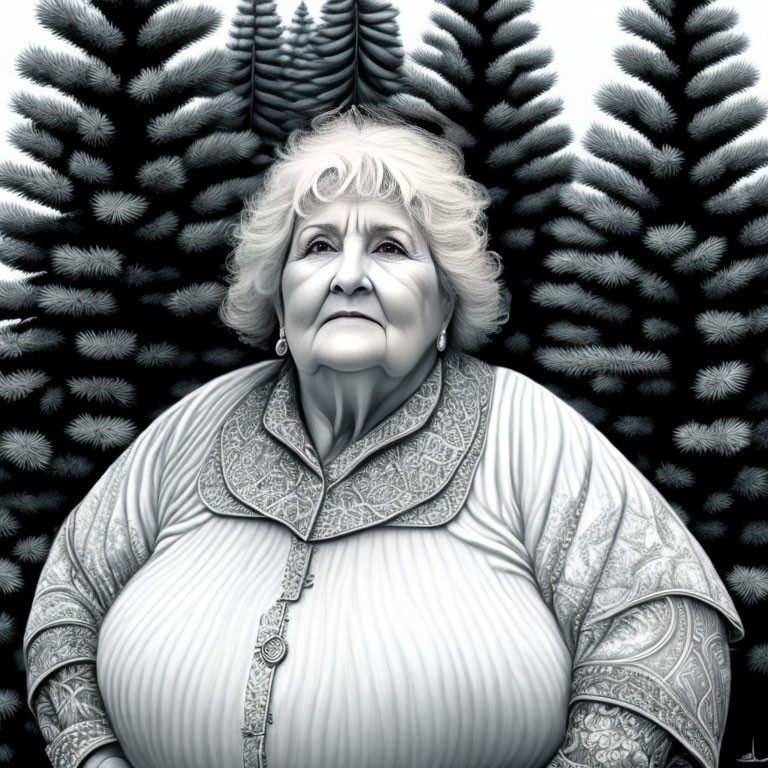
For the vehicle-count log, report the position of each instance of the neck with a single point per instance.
(341, 407)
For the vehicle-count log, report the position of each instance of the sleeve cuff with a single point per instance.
(70, 748)
(632, 689)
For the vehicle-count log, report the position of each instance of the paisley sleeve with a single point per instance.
(100, 545)
(644, 614)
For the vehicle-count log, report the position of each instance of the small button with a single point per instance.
(273, 650)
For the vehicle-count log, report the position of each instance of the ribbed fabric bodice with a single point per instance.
(413, 648)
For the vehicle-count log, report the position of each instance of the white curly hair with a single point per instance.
(372, 154)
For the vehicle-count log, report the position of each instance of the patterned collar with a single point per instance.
(413, 469)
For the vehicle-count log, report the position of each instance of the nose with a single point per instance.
(352, 266)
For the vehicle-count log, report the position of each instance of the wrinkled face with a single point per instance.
(360, 290)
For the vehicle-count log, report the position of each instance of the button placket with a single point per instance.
(269, 651)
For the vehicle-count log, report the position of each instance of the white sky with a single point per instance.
(582, 33)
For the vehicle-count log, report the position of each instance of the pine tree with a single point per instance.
(256, 40)
(656, 297)
(482, 72)
(359, 54)
(142, 171)
(300, 62)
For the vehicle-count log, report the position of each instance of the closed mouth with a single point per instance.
(336, 315)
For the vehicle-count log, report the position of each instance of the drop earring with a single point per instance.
(281, 348)
(442, 341)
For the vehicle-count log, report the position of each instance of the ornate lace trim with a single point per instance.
(269, 651)
(75, 743)
(630, 687)
(414, 469)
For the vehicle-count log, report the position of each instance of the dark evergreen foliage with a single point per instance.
(359, 53)
(657, 299)
(483, 73)
(118, 308)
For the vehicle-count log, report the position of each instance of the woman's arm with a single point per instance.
(101, 544)
(609, 736)
(680, 642)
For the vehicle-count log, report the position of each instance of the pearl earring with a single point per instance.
(281, 348)
(442, 341)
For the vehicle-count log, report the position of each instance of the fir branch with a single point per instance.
(755, 533)
(748, 583)
(715, 84)
(592, 359)
(7, 627)
(669, 239)
(9, 525)
(101, 432)
(75, 302)
(705, 21)
(219, 197)
(729, 120)
(20, 221)
(36, 143)
(205, 75)
(163, 226)
(718, 327)
(71, 466)
(716, 382)
(164, 174)
(645, 64)
(20, 384)
(191, 119)
(17, 295)
(25, 449)
(20, 253)
(606, 384)
(178, 27)
(751, 483)
(103, 389)
(570, 333)
(717, 47)
(196, 299)
(634, 426)
(609, 270)
(718, 502)
(89, 169)
(118, 207)
(757, 658)
(647, 26)
(107, 345)
(80, 24)
(574, 298)
(656, 387)
(94, 262)
(642, 110)
(737, 275)
(51, 400)
(220, 148)
(95, 128)
(658, 329)
(202, 236)
(710, 530)
(53, 114)
(32, 549)
(725, 437)
(705, 257)
(674, 476)
(159, 355)
(11, 581)
(16, 342)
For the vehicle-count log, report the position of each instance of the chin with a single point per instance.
(349, 355)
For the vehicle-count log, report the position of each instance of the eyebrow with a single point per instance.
(375, 230)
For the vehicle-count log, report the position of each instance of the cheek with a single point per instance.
(413, 297)
(301, 293)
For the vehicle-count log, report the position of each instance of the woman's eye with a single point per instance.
(390, 248)
(318, 246)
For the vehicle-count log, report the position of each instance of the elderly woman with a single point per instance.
(474, 577)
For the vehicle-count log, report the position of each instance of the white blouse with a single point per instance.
(445, 643)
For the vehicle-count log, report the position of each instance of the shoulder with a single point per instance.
(196, 417)
(524, 410)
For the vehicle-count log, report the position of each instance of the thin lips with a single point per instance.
(350, 314)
